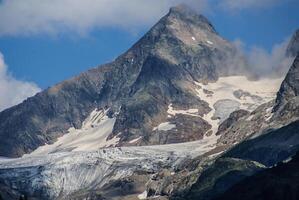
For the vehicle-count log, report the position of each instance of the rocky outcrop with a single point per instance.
(270, 148)
(185, 129)
(289, 87)
(220, 176)
(232, 119)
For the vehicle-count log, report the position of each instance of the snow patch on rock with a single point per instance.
(269, 114)
(209, 42)
(166, 126)
(135, 140)
(223, 108)
(142, 195)
(92, 136)
(172, 112)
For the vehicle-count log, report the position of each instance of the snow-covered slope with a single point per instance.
(80, 159)
(92, 136)
(60, 174)
(224, 96)
(232, 93)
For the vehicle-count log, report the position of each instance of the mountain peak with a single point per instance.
(188, 15)
(181, 9)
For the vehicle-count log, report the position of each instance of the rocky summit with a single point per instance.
(177, 116)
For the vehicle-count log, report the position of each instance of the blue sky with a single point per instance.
(43, 46)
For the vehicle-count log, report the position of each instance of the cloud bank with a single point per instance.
(19, 17)
(238, 5)
(263, 63)
(13, 91)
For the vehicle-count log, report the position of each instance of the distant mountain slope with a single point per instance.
(270, 134)
(137, 89)
(253, 141)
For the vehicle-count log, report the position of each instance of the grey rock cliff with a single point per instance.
(290, 86)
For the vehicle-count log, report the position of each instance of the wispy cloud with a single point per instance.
(13, 91)
(263, 63)
(19, 17)
(238, 5)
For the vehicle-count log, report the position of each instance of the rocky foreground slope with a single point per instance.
(279, 182)
(204, 124)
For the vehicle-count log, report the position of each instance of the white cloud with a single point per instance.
(266, 63)
(237, 5)
(13, 91)
(19, 17)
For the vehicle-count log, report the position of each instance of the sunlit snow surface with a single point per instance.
(68, 172)
(77, 160)
(165, 126)
(222, 99)
(92, 136)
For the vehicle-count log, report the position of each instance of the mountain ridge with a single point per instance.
(157, 70)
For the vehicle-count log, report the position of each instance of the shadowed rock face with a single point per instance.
(290, 86)
(137, 87)
(270, 148)
(293, 47)
(279, 183)
(220, 176)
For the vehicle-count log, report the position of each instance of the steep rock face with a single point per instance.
(137, 88)
(270, 148)
(279, 183)
(218, 178)
(293, 47)
(233, 118)
(290, 86)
